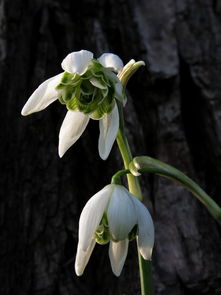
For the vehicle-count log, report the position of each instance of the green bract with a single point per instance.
(92, 93)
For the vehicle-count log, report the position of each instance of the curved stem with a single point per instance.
(134, 188)
(147, 164)
(116, 177)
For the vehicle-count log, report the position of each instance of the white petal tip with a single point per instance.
(103, 156)
(117, 274)
(63, 147)
(43, 96)
(78, 271)
(25, 112)
(147, 255)
(117, 255)
(108, 132)
(61, 153)
(72, 127)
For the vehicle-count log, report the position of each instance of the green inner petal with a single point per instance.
(87, 88)
(92, 93)
(102, 234)
(72, 104)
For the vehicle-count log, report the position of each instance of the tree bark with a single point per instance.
(173, 113)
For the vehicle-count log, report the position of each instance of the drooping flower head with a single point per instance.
(93, 88)
(89, 88)
(116, 216)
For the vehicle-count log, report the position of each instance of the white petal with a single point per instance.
(82, 257)
(72, 127)
(77, 62)
(117, 255)
(121, 213)
(110, 60)
(92, 214)
(108, 132)
(44, 95)
(145, 230)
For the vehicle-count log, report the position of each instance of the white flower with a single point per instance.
(77, 65)
(115, 215)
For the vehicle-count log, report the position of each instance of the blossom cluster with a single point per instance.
(90, 89)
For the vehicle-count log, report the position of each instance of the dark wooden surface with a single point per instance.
(173, 113)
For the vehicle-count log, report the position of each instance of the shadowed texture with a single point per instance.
(173, 113)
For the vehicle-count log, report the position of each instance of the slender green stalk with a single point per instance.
(133, 183)
(146, 281)
(134, 188)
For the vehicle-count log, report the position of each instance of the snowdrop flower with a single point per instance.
(116, 216)
(89, 88)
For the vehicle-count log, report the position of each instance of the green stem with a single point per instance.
(134, 188)
(133, 183)
(146, 281)
(116, 178)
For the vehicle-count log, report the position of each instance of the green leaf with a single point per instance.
(147, 164)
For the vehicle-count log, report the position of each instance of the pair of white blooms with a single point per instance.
(90, 88)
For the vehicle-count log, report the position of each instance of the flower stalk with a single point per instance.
(134, 188)
(126, 154)
(116, 178)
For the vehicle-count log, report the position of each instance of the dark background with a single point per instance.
(173, 113)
